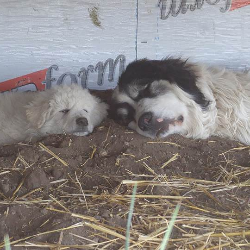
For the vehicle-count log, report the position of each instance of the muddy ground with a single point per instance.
(68, 192)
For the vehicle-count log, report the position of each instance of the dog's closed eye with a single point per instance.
(86, 110)
(65, 111)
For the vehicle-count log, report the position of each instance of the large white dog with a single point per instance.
(64, 109)
(159, 98)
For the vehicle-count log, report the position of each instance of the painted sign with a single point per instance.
(72, 34)
(45, 78)
(86, 73)
(175, 7)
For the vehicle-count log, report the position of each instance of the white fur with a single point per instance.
(30, 115)
(228, 114)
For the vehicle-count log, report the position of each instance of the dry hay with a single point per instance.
(212, 214)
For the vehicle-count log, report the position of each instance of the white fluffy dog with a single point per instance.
(159, 98)
(64, 109)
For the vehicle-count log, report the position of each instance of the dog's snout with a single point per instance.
(82, 121)
(145, 121)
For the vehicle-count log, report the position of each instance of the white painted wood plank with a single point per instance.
(36, 34)
(205, 35)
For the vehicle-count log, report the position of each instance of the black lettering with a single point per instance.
(112, 66)
(184, 7)
(174, 11)
(227, 7)
(84, 75)
(212, 2)
(63, 76)
(198, 5)
(163, 7)
(48, 77)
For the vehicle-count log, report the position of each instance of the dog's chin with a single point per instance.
(163, 127)
(162, 133)
(81, 133)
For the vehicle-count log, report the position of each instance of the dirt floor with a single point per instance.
(67, 192)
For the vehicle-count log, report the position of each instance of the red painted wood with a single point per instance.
(236, 4)
(36, 79)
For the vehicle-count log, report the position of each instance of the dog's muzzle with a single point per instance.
(82, 126)
(156, 126)
(82, 122)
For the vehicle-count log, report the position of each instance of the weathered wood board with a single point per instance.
(81, 37)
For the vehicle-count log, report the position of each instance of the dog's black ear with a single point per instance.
(39, 110)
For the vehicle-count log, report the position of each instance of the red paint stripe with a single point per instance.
(236, 4)
(36, 78)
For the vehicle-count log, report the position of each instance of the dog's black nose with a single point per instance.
(145, 121)
(82, 121)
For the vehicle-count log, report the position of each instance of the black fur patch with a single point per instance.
(123, 119)
(176, 71)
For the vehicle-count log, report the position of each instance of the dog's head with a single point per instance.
(153, 97)
(66, 109)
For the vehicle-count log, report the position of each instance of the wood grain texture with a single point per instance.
(76, 33)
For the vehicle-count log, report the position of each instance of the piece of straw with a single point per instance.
(170, 228)
(7, 242)
(131, 209)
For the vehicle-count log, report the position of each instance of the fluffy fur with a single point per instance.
(63, 109)
(159, 98)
